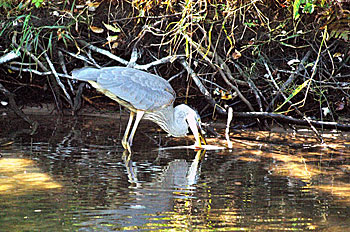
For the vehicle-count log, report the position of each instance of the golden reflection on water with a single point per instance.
(19, 176)
(300, 156)
(338, 189)
(296, 170)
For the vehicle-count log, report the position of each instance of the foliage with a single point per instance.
(37, 3)
(232, 45)
(337, 19)
(5, 4)
(16, 6)
(307, 6)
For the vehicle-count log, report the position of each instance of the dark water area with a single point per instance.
(73, 175)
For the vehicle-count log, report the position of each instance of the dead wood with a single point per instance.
(292, 120)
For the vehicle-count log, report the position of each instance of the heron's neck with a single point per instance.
(167, 119)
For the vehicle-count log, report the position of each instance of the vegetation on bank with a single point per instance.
(278, 59)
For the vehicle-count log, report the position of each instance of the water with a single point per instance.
(73, 175)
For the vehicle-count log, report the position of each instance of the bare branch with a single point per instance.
(158, 62)
(80, 57)
(201, 87)
(37, 72)
(289, 119)
(52, 67)
(103, 52)
(9, 56)
(319, 137)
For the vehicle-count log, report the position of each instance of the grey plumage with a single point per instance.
(148, 95)
(141, 90)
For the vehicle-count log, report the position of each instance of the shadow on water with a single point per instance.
(73, 175)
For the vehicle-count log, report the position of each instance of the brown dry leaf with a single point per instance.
(115, 45)
(59, 33)
(97, 30)
(93, 4)
(236, 54)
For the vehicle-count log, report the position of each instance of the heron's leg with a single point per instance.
(126, 133)
(139, 115)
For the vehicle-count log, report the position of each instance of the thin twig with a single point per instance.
(290, 119)
(64, 69)
(201, 87)
(176, 75)
(52, 67)
(240, 95)
(80, 57)
(42, 66)
(9, 56)
(319, 137)
(103, 52)
(251, 84)
(158, 62)
(88, 53)
(37, 72)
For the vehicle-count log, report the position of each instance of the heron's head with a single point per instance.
(193, 120)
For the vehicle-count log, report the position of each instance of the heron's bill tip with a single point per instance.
(197, 131)
(199, 140)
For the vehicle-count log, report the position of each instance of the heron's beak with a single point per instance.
(196, 128)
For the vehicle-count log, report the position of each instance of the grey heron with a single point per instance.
(147, 96)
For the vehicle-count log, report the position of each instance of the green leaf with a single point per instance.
(37, 3)
(112, 38)
(296, 6)
(309, 8)
(111, 28)
(294, 93)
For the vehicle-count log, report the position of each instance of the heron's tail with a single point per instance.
(86, 74)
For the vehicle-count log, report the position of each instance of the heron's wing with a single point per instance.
(135, 88)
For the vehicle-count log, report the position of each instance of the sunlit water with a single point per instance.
(74, 176)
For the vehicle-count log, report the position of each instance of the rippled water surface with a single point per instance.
(73, 175)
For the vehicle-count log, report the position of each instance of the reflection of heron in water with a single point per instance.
(152, 201)
(146, 95)
(177, 174)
